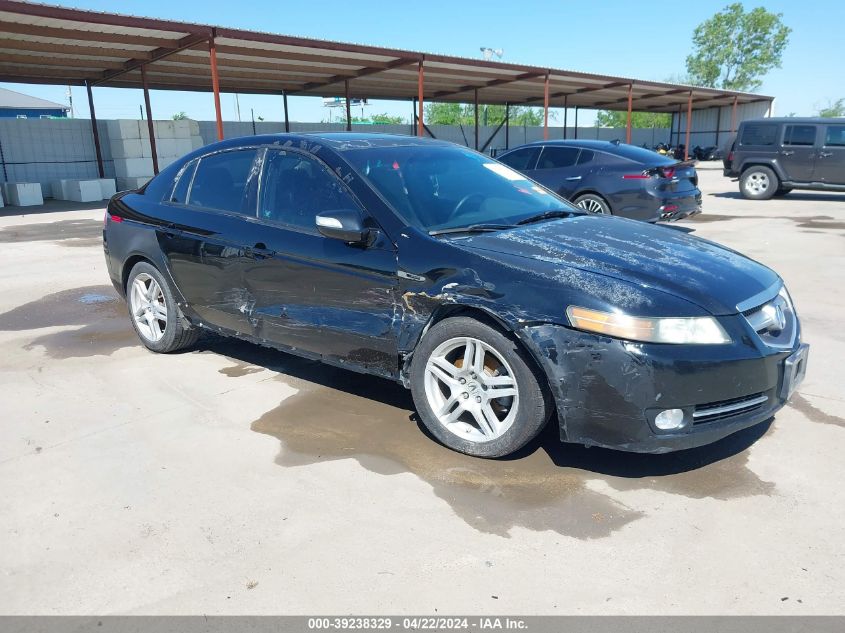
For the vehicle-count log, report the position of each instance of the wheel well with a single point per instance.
(128, 265)
(590, 192)
(450, 311)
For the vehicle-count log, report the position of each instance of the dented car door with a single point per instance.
(317, 295)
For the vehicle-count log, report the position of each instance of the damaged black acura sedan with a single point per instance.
(500, 305)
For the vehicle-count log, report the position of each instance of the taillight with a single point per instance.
(636, 176)
(730, 156)
(668, 172)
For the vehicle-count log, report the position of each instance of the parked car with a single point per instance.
(611, 178)
(499, 304)
(771, 157)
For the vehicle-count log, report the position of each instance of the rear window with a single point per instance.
(835, 136)
(521, 159)
(221, 181)
(759, 134)
(639, 155)
(586, 156)
(799, 135)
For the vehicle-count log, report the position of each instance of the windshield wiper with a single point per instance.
(547, 215)
(473, 228)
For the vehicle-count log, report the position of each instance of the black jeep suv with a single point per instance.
(774, 156)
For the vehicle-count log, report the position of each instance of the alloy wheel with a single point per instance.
(591, 205)
(471, 389)
(148, 307)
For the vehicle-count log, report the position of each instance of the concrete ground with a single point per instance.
(231, 479)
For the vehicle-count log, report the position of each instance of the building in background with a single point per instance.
(16, 105)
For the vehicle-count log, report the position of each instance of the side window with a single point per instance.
(835, 136)
(759, 134)
(800, 135)
(220, 181)
(296, 188)
(180, 191)
(587, 156)
(553, 157)
(521, 159)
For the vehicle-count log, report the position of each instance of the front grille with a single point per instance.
(713, 411)
(774, 321)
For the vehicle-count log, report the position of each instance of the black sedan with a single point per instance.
(499, 304)
(611, 178)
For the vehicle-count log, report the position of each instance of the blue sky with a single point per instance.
(615, 37)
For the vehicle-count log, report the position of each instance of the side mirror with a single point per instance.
(344, 224)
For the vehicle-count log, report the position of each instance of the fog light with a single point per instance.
(669, 419)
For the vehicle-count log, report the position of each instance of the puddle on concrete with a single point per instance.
(715, 217)
(810, 411)
(338, 415)
(102, 315)
(819, 222)
(78, 233)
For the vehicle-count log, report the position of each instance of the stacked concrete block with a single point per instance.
(107, 188)
(84, 191)
(23, 194)
(130, 147)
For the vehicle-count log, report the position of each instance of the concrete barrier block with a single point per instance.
(123, 128)
(126, 183)
(1, 200)
(84, 190)
(196, 142)
(128, 148)
(164, 129)
(107, 188)
(194, 127)
(182, 129)
(24, 194)
(167, 147)
(184, 146)
(59, 189)
(133, 167)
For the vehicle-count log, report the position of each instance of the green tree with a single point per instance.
(735, 48)
(608, 118)
(464, 114)
(179, 116)
(832, 109)
(386, 119)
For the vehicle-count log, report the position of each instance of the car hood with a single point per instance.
(648, 256)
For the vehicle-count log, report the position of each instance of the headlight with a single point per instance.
(690, 330)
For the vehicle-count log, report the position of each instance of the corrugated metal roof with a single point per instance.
(9, 99)
(48, 44)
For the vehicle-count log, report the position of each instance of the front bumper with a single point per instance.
(608, 391)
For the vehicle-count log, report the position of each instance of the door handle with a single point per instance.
(825, 154)
(787, 152)
(574, 178)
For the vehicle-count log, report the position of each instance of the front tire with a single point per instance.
(758, 183)
(476, 390)
(154, 312)
(591, 203)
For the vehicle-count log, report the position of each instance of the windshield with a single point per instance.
(443, 187)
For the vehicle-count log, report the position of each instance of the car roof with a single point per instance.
(338, 141)
(590, 144)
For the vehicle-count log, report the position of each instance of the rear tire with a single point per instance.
(758, 183)
(456, 372)
(592, 203)
(155, 313)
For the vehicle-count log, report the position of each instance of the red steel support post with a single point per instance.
(94, 130)
(215, 85)
(689, 125)
(546, 108)
(420, 91)
(150, 125)
(630, 106)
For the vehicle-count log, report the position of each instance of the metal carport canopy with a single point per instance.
(47, 44)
